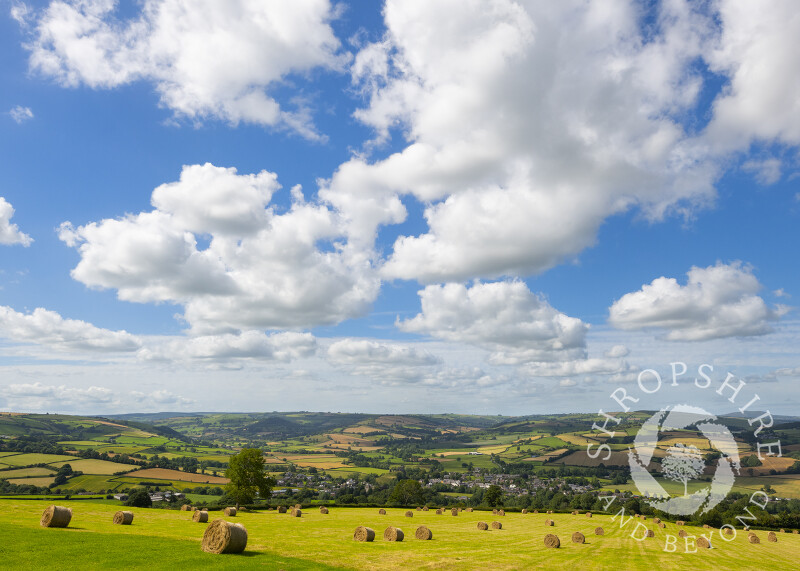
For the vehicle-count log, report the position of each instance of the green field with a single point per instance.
(28, 459)
(26, 473)
(160, 539)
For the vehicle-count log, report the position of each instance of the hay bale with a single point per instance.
(494, 511)
(123, 518)
(680, 522)
(230, 512)
(186, 507)
(728, 531)
(297, 512)
(501, 512)
(536, 511)
(425, 508)
(656, 520)
(661, 525)
(795, 531)
(549, 522)
(224, 537)
(364, 534)
(483, 526)
(423, 533)
(454, 511)
(200, 517)
(298, 506)
(578, 537)
(469, 510)
(194, 509)
(439, 511)
(703, 542)
(682, 533)
(381, 511)
(393, 533)
(772, 537)
(497, 525)
(323, 510)
(409, 513)
(549, 511)
(281, 509)
(651, 533)
(599, 531)
(574, 513)
(419, 509)
(56, 516)
(551, 540)
(753, 538)
(783, 530)
(524, 511)
(644, 518)
(588, 514)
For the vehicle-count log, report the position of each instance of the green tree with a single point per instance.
(139, 499)
(493, 496)
(248, 477)
(407, 492)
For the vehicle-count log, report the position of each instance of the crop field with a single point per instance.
(28, 459)
(45, 481)
(160, 539)
(164, 474)
(88, 466)
(26, 473)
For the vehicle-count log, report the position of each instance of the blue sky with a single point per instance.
(495, 216)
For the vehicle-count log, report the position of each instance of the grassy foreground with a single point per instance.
(162, 539)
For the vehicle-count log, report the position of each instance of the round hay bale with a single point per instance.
(419, 509)
(364, 534)
(123, 518)
(682, 533)
(494, 511)
(599, 531)
(795, 531)
(656, 520)
(393, 533)
(772, 537)
(497, 525)
(281, 509)
(230, 512)
(454, 511)
(728, 531)
(551, 540)
(578, 537)
(425, 508)
(549, 511)
(186, 507)
(588, 514)
(423, 533)
(536, 511)
(753, 538)
(194, 509)
(439, 511)
(323, 510)
(661, 525)
(469, 510)
(224, 537)
(409, 513)
(56, 516)
(200, 517)
(297, 512)
(680, 522)
(651, 533)
(574, 513)
(501, 512)
(783, 530)
(549, 522)
(381, 511)
(524, 511)
(703, 542)
(644, 518)
(483, 526)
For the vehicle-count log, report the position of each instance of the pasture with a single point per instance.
(160, 539)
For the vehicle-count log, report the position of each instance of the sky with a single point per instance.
(468, 206)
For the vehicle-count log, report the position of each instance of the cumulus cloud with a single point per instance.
(504, 317)
(21, 114)
(160, 397)
(260, 269)
(49, 329)
(617, 351)
(389, 362)
(10, 233)
(38, 396)
(528, 124)
(716, 302)
(207, 59)
(249, 345)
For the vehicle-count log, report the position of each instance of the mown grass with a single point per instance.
(160, 539)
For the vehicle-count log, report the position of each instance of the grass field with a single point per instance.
(46, 481)
(88, 466)
(163, 474)
(28, 459)
(161, 539)
(26, 473)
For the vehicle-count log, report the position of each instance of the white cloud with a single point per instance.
(260, 269)
(528, 124)
(766, 172)
(39, 396)
(50, 330)
(21, 114)
(10, 233)
(617, 351)
(717, 301)
(592, 366)
(503, 317)
(160, 397)
(388, 362)
(207, 59)
(249, 345)
(755, 48)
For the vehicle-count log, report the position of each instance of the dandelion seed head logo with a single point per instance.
(683, 462)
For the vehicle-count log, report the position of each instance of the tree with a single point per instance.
(493, 496)
(139, 499)
(407, 492)
(248, 477)
(682, 463)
